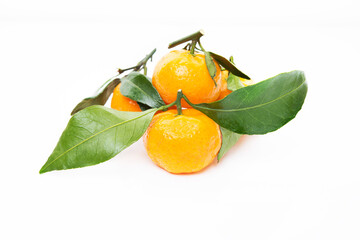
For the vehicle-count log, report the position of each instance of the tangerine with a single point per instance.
(184, 143)
(181, 70)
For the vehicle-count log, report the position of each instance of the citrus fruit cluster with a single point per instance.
(194, 109)
(188, 141)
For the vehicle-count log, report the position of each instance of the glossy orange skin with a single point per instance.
(122, 103)
(184, 143)
(180, 70)
(224, 91)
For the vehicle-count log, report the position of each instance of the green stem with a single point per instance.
(202, 49)
(126, 69)
(144, 61)
(140, 64)
(187, 100)
(187, 46)
(178, 101)
(192, 48)
(165, 108)
(195, 36)
(179, 96)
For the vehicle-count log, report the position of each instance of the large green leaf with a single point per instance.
(229, 139)
(260, 108)
(138, 87)
(96, 134)
(100, 99)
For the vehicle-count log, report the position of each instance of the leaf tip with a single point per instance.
(43, 170)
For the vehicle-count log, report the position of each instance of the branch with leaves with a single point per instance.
(108, 87)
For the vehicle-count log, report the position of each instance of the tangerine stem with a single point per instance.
(192, 48)
(195, 36)
(178, 101)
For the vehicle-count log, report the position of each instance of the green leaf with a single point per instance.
(138, 87)
(260, 108)
(95, 135)
(228, 65)
(229, 139)
(101, 98)
(210, 66)
(233, 82)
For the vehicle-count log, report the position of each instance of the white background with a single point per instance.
(300, 182)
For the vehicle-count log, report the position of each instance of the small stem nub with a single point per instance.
(231, 59)
(178, 102)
